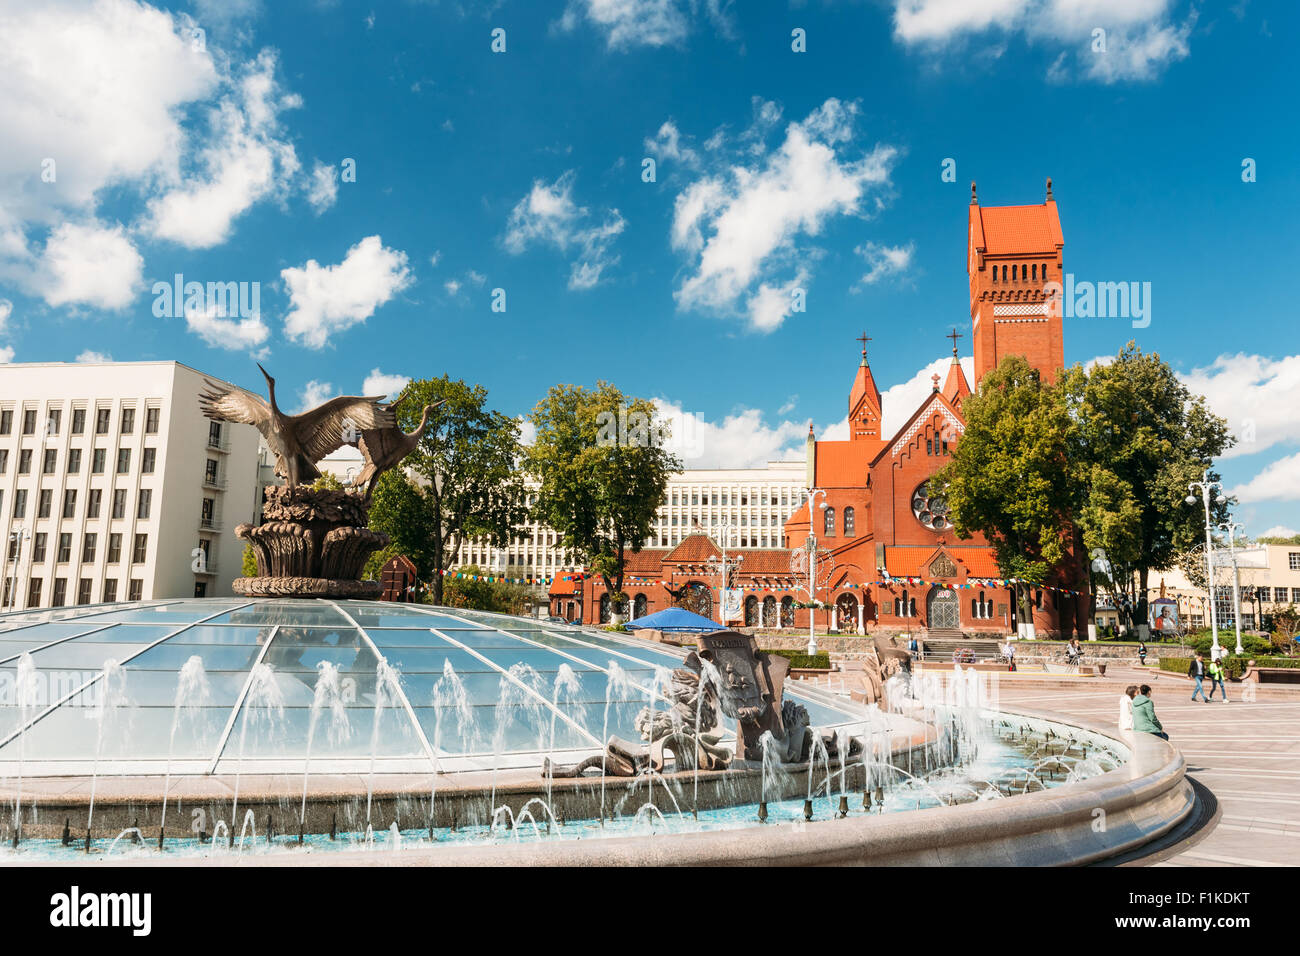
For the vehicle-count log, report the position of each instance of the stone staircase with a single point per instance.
(941, 649)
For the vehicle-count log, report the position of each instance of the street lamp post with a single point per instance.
(723, 569)
(1207, 489)
(812, 571)
(1232, 528)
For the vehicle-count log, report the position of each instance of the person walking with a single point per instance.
(1142, 653)
(1126, 707)
(1144, 714)
(1197, 673)
(1216, 672)
(914, 647)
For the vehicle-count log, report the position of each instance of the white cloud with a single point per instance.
(1277, 482)
(90, 264)
(742, 439)
(527, 431)
(548, 215)
(433, 259)
(770, 304)
(743, 224)
(313, 394)
(667, 145)
(324, 189)
(6, 310)
(89, 357)
(1278, 531)
(884, 261)
(216, 329)
(6, 354)
(477, 278)
(1257, 395)
(380, 383)
(328, 299)
(452, 286)
(1139, 39)
(629, 23)
(244, 160)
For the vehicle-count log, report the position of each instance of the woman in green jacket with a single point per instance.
(1144, 714)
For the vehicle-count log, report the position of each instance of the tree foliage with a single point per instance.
(462, 480)
(1139, 437)
(602, 466)
(1009, 476)
(503, 597)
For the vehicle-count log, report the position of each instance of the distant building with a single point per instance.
(1268, 580)
(114, 487)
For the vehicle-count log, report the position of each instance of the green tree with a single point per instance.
(462, 480)
(248, 563)
(1139, 438)
(1008, 477)
(600, 459)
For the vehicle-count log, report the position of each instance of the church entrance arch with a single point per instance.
(846, 613)
(942, 609)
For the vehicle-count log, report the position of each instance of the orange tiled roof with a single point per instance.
(1020, 230)
(840, 464)
(913, 562)
(647, 559)
(562, 588)
(693, 549)
(765, 561)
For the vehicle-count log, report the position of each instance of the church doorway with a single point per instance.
(846, 614)
(942, 609)
(751, 611)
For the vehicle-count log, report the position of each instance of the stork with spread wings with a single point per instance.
(299, 441)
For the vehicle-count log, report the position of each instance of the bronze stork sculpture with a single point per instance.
(299, 441)
(384, 448)
(311, 542)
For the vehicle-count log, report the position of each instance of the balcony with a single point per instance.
(216, 483)
(218, 442)
(210, 523)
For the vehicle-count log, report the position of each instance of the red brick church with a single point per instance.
(897, 563)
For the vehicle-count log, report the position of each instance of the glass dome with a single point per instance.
(226, 685)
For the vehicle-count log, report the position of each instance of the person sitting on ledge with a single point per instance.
(1144, 714)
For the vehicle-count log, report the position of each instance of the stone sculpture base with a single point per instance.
(307, 587)
(313, 544)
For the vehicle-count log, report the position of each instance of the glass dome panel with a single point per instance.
(253, 668)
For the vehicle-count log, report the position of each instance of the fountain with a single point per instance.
(192, 694)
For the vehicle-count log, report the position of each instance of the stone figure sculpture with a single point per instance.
(313, 542)
(744, 684)
(298, 441)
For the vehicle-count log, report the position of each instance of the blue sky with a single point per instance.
(138, 148)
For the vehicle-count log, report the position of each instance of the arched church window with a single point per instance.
(995, 273)
(1013, 272)
(929, 446)
(849, 523)
(1033, 271)
(828, 526)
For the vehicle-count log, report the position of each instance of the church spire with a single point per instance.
(864, 400)
(956, 386)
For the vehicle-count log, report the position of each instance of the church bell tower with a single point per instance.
(1014, 260)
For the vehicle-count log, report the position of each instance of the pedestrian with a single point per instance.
(1126, 707)
(1197, 672)
(1010, 651)
(914, 647)
(1216, 672)
(1142, 653)
(1144, 714)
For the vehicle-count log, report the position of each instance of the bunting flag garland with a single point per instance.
(887, 582)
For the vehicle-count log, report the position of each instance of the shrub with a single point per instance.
(615, 627)
(1234, 666)
(820, 660)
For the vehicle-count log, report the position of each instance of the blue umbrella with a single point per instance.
(674, 619)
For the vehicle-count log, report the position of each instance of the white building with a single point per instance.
(110, 478)
(754, 502)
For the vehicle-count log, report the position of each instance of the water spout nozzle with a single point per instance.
(807, 809)
(844, 806)
(67, 831)
(762, 812)
(162, 835)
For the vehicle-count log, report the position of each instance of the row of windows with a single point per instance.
(94, 503)
(59, 595)
(744, 498)
(103, 421)
(1021, 272)
(98, 461)
(89, 544)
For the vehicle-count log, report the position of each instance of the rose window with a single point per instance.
(931, 509)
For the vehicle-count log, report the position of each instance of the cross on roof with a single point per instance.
(954, 335)
(864, 339)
